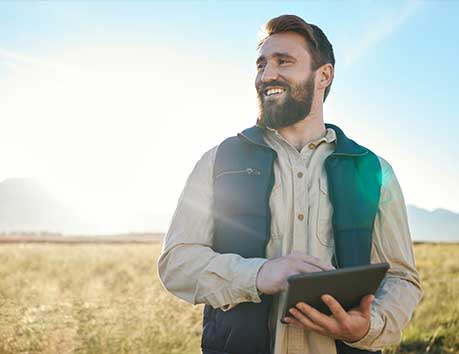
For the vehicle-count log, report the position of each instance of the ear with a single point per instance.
(325, 75)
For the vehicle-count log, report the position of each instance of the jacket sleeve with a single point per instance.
(400, 291)
(188, 267)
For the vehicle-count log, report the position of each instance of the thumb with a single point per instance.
(365, 305)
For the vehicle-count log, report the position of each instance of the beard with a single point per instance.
(295, 106)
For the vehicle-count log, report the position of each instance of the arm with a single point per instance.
(400, 290)
(187, 266)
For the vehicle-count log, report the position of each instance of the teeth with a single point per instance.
(273, 91)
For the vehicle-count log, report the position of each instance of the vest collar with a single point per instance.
(344, 145)
(255, 136)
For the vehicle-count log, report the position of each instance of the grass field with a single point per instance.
(106, 298)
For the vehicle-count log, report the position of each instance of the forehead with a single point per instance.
(286, 42)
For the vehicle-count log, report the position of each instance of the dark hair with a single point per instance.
(320, 48)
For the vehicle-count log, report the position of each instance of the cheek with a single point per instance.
(257, 81)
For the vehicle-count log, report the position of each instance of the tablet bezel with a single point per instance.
(347, 285)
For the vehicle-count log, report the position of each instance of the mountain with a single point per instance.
(26, 206)
(439, 225)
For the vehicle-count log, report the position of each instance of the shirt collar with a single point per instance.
(344, 145)
(329, 137)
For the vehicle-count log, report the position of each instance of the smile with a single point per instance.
(274, 92)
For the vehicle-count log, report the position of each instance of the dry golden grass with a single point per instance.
(435, 324)
(97, 299)
(90, 299)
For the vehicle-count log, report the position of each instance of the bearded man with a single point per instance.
(290, 195)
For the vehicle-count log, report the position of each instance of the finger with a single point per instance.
(335, 307)
(317, 262)
(317, 317)
(298, 254)
(305, 257)
(365, 305)
(327, 267)
(304, 267)
(293, 321)
(318, 266)
(306, 322)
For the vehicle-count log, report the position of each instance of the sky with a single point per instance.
(111, 104)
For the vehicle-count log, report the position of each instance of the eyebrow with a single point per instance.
(275, 55)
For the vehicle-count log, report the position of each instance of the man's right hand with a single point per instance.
(272, 276)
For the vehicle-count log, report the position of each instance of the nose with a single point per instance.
(269, 74)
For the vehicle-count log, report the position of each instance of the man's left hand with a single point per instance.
(349, 326)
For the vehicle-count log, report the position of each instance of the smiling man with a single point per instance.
(291, 194)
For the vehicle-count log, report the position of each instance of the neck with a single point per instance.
(307, 130)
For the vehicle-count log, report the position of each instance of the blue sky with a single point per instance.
(120, 99)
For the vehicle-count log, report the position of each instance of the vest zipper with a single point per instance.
(250, 171)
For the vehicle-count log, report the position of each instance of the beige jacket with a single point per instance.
(301, 221)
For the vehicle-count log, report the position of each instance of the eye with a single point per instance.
(260, 66)
(282, 61)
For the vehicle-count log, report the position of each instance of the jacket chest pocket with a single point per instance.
(238, 190)
(324, 228)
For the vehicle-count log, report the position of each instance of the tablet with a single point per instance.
(347, 285)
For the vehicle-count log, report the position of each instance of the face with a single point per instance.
(285, 82)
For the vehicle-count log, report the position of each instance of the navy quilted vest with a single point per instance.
(243, 180)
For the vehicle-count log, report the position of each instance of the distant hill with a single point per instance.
(26, 207)
(437, 225)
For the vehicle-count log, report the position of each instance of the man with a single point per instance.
(290, 195)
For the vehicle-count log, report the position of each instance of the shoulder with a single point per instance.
(203, 168)
(207, 159)
(390, 187)
(226, 147)
(387, 172)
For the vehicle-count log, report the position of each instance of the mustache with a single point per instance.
(262, 87)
